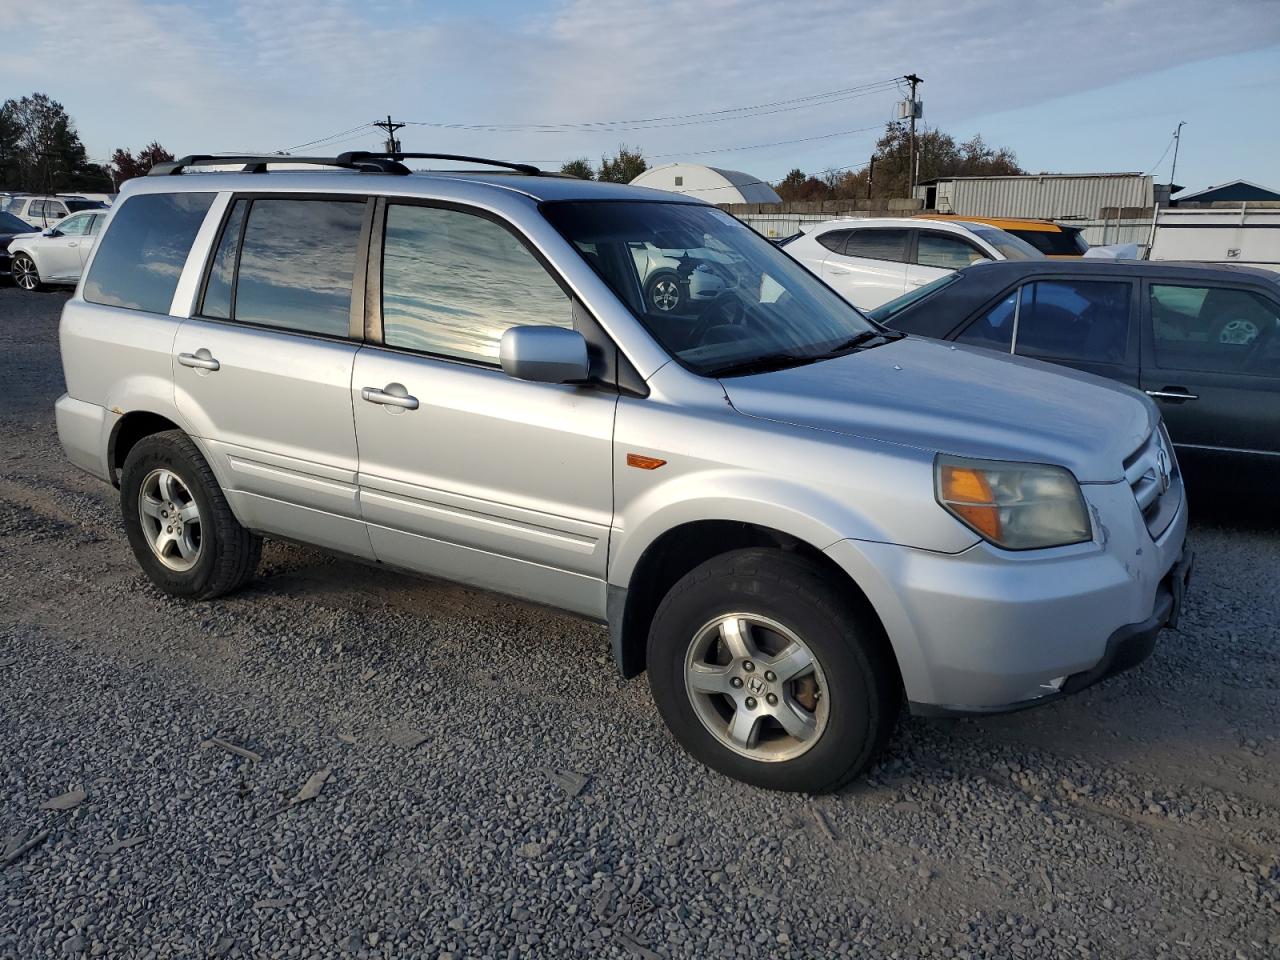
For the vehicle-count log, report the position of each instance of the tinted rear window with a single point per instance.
(74, 205)
(877, 244)
(141, 257)
(1054, 243)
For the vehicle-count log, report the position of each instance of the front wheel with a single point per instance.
(24, 271)
(179, 524)
(765, 672)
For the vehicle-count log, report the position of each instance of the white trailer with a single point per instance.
(1244, 234)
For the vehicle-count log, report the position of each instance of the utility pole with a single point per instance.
(871, 174)
(912, 112)
(1177, 139)
(393, 145)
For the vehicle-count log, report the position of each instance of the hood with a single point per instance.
(950, 398)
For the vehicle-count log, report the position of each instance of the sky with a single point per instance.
(1082, 86)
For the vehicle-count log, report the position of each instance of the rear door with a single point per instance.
(1212, 362)
(54, 210)
(466, 473)
(262, 371)
(871, 269)
(89, 238)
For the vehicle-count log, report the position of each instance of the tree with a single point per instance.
(790, 186)
(625, 167)
(124, 166)
(40, 149)
(580, 168)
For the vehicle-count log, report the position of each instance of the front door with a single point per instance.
(1212, 363)
(60, 255)
(937, 254)
(466, 473)
(262, 374)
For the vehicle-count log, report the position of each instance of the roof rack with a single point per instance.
(360, 160)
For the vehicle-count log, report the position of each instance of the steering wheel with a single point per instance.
(726, 308)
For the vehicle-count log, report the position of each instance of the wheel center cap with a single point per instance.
(757, 685)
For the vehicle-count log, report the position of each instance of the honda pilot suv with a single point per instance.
(793, 519)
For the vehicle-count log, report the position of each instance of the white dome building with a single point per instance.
(708, 183)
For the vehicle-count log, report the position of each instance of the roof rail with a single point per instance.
(361, 160)
(257, 163)
(365, 156)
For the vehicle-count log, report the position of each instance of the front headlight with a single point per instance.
(1018, 506)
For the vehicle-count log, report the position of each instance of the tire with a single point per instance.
(665, 293)
(24, 272)
(205, 552)
(782, 598)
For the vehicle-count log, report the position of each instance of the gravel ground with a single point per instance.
(489, 787)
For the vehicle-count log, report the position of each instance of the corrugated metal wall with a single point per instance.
(1047, 198)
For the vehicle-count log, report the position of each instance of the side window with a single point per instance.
(1215, 329)
(877, 244)
(96, 225)
(141, 257)
(222, 273)
(453, 283)
(1075, 320)
(74, 226)
(297, 264)
(54, 210)
(36, 210)
(947, 253)
(834, 239)
(994, 328)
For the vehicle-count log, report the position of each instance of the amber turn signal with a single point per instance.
(967, 493)
(643, 462)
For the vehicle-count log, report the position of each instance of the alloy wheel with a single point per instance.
(170, 519)
(24, 272)
(757, 687)
(665, 295)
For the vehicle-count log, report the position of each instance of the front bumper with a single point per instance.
(988, 630)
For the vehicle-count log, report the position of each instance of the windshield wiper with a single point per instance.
(864, 340)
(763, 364)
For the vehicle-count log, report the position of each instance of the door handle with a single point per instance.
(1174, 394)
(73, 244)
(201, 360)
(400, 398)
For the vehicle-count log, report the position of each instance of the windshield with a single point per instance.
(1010, 247)
(887, 311)
(11, 224)
(74, 205)
(714, 293)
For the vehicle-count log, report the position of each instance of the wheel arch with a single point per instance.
(126, 433)
(680, 549)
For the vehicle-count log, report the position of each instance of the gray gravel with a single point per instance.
(446, 773)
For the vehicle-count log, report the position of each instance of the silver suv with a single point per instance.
(792, 518)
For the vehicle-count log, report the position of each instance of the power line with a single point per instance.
(1154, 166)
(332, 136)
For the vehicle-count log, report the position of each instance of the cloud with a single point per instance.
(266, 74)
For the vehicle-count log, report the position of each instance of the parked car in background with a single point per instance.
(10, 229)
(1202, 340)
(1051, 239)
(872, 260)
(44, 212)
(58, 254)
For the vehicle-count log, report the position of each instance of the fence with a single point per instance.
(776, 220)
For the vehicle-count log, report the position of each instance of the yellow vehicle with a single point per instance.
(1052, 239)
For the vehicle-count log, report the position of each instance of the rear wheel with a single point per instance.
(765, 672)
(24, 271)
(179, 524)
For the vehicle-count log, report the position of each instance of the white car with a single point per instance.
(44, 212)
(58, 254)
(870, 261)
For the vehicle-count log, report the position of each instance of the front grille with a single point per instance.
(1152, 474)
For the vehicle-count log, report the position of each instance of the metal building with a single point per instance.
(1045, 196)
(712, 184)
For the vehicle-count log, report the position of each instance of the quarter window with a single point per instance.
(947, 253)
(297, 264)
(877, 244)
(141, 257)
(1214, 329)
(453, 283)
(1074, 320)
(834, 239)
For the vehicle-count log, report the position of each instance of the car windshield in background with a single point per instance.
(77, 205)
(717, 295)
(1054, 243)
(11, 224)
(886, 312)
(1010, 247)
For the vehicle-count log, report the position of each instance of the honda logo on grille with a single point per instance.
(1162, 471)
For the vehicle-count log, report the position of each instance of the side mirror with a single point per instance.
(544, 355)
(53, 232)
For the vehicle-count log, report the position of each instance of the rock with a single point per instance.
(66, 801)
